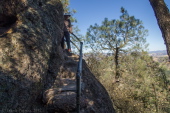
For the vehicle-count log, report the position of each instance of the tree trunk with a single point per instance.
(117, 64)
(163, 18)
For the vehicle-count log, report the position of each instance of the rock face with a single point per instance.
(36, 75)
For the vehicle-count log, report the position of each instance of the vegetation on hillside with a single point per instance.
(143, 84)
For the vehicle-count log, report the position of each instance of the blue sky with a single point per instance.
(90, 12)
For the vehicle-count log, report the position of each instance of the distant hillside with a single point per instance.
(161, 57)
(159, 53)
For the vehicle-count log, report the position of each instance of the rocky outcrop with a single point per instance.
(36, 75)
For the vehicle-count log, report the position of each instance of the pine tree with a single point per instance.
(117, 35)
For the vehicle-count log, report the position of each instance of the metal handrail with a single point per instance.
(76, 37)
(78, 79)
(74, 45)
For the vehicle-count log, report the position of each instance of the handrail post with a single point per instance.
(78, 79)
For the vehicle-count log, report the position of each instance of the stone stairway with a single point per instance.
(69, 84)
(61, 98)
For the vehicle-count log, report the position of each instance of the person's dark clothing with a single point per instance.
(67, 37)
(67, 30)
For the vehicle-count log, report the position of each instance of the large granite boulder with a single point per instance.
(36, 75)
